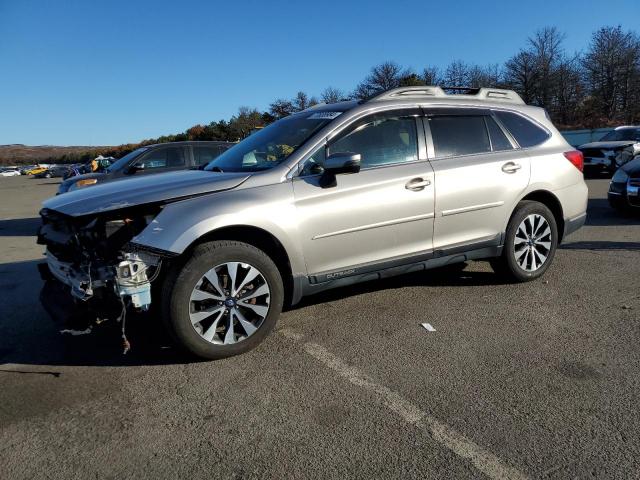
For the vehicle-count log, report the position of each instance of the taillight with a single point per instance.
(575, 157)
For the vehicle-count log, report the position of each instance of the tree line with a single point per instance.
(595, 88)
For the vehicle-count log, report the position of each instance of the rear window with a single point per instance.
(499, 141)
(459, 135)
(526, 133)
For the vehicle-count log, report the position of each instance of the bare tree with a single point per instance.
(612, 71)
(569, 91)
(381, 78)
(488, 76)
(431, 75)
(332, 95)
(546, 47)
(521, 74)
(301, 102)
(409, 78)
(457, 74)
(280, 108)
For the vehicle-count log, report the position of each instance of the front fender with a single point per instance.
(269, 208)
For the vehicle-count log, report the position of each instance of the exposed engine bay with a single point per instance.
(92, 256)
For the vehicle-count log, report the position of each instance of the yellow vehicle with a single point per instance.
(35, 171)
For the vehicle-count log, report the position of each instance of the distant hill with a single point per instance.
(17, 154)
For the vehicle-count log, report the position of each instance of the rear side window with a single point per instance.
(499, 141)
(526, 133)
(204, 154)
(459, 135)
(162, 158)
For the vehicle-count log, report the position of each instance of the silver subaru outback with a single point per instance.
(337, 194)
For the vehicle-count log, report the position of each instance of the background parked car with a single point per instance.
(26, 168)
(9, 172)
(604, 154)
(624, 189)
(164, 157)
(53, 171)
(36, 170)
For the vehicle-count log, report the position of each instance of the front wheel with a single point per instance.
(224, 300)
(530, 243)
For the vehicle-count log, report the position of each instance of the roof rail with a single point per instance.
(497, 94)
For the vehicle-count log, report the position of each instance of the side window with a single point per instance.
(381, 140)
(162, 158)
(499, 141)
(526, 133)
(455, 135)
(204, 155)
(313, 164)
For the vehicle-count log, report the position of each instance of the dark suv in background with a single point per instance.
(159, 158)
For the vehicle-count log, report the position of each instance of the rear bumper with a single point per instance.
(573, 224)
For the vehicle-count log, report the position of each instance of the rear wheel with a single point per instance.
(530, 243)
(224, 300)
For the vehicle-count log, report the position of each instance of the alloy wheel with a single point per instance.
(229, 303)
(532, 242)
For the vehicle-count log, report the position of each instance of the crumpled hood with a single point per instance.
(607, 145)
(142, 190)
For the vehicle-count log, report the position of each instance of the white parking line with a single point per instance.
(483, 460)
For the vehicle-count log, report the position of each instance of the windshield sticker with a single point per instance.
(323, 115)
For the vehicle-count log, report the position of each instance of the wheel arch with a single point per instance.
(261, 239)
(552, 202)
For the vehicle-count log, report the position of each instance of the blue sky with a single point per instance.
(111, 72)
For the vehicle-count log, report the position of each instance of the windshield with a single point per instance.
(272, 145)
(124, 161)
(622, 134)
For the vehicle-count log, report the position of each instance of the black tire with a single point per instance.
(179, 284)
(506, 265)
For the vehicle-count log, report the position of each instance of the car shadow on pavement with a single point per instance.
(601, 245)
(448, 276)
(601, 214)
(29, 336)
(19, 227)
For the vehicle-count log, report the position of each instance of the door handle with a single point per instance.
(511, 167)
(417, 184)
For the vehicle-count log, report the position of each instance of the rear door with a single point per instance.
(479, 175)
(379, 214)
(162, 159)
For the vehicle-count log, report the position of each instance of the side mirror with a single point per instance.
(131, 169)
(342, 162)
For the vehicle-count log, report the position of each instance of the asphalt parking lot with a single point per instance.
(539, 380)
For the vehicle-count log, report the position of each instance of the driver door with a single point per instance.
(379, 214)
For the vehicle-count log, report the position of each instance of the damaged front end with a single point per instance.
(92, 258)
